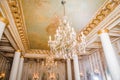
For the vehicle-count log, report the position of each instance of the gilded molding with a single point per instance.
(17, 15)
(4, 20)
(101, 14)
(103, 31)
(18, 50)
(21, 56)
(32, 51)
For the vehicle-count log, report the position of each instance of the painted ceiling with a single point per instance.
(42, 17)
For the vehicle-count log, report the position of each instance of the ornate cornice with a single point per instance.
(37, 51)
(15, 9)
(101, 15)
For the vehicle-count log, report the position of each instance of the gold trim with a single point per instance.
(103, 31)
(18, 50)
(17, 15)
(4, 20)
(21, 56)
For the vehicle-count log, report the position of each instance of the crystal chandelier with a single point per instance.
(65, 44)
(49, 63)
(50, 66)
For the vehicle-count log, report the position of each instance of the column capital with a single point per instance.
(103, 31)
(18, 50)
(4, 20)
(21, 56)
(69, 59)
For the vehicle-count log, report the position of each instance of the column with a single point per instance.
(20, 68)
(14, 69)
(3, 23)
(110, 55)
(69, 69)
(76, 67)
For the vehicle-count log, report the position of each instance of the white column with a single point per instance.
(3, 23)
(111, 58)
(76, 67)
(20, 68)
(14, 69)
(69, 69)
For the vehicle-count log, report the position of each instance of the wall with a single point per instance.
(33, 66)
(5, 66)
(116, 47)
(92, 65)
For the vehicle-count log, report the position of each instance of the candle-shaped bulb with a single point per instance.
(50, 38)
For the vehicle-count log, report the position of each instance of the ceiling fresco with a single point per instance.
(42, 17)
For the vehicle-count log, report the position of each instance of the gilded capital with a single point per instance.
(3, 20)
(18, 50)
(21, 56)
(103, 31)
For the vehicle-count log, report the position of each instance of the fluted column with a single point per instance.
(14, 69)
(3, 23)
(76, 67)
(20, 68)
(69, 69)
(110, 55)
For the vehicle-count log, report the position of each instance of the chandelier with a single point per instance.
(49, 64)
(65, 44)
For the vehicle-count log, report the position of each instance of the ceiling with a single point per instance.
(32, 21)
(41, 18)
